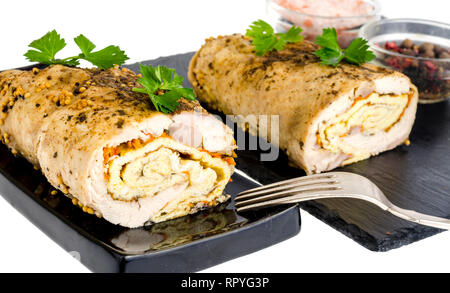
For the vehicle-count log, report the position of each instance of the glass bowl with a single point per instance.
(430, 75)
(282, 16)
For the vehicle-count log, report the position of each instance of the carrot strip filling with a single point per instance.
(109, 152)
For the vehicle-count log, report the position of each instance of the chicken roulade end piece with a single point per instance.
(328, 116)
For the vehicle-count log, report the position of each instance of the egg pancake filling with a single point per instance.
(368, 118)
(186, 179)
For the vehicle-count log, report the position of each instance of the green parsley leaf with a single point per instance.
(357, 52)
(170, 78)
(51, 43)
(84, 44)
(69, 62)
(107, 57)
(47, 46)
(259, 27)
(104, 58)
(292, 36)
(331, 54)
(329, 57)
(265, 39)
(328, 39)
(164, 87)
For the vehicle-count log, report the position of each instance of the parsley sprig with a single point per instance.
(265, 39)
(51, 43)
(331, 54)
(164, 87)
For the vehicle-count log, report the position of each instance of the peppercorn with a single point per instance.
(427, 54)
(409, 52)
(438, 49)
(426, 47)
(407, 43)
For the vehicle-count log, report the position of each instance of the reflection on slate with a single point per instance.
(158, 236)
(178, 231)
(220, 219)
(415, 177)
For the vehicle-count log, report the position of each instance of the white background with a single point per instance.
(149, 29)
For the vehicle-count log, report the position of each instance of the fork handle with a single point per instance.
(405, 214)
(419, 218)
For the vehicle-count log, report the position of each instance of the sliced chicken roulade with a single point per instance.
(106, 147)
(328, 116)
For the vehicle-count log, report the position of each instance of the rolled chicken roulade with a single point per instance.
(106, 147)
(328, 116)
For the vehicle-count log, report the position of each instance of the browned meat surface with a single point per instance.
(329, 116)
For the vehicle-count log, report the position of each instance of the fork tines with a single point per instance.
(283, 192)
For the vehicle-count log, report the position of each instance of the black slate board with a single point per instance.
(415, 177)
(186, 244)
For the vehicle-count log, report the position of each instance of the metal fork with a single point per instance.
(329, 185)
